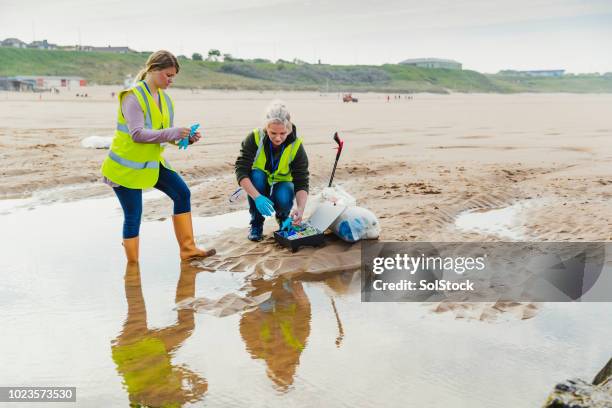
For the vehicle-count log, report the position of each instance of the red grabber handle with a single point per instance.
(340, 143)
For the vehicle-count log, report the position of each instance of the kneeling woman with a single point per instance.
(144, 122)
(273, 169)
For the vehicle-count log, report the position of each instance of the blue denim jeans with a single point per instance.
(282, 197)
(131, 200)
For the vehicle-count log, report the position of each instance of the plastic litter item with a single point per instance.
(356, 223)
(311, 232)
(338, 196)
(183, 143)
(264, 205)
(237, 195)
(299, 231)
(97, 142)
(300, 235)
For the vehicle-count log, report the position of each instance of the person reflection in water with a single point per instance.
(144, 356)
(277, 330)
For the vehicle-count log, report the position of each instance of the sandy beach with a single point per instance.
(417, 163)
(540, 163)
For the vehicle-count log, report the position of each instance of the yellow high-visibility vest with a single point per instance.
(282, 172)
(136, 165)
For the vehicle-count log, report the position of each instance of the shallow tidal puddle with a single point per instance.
(504, 222)
(68, 317)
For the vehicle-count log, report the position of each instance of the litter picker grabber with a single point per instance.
(340, 143)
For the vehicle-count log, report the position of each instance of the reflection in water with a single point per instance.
(277, 329)
(143, 356)
(340, 329)
(339, 283)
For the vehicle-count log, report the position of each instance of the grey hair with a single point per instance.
(277, 112)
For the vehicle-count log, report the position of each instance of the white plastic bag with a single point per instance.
(356, 223)
(338, 196)
(97, 142)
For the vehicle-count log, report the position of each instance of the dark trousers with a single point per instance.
(131, 200)
(282, 197)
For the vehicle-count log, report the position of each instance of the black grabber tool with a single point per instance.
(340, 143)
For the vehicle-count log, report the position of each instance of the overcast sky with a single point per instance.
(485, 35)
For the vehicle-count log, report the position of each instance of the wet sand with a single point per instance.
(418, 164)
(74, 314)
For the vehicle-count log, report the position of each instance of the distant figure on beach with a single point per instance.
(272, 168)
(145, 120)
(387, 98)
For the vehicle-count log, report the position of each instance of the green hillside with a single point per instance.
(586, 83)
(106, 68)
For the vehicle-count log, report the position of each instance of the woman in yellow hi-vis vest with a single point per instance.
(144, 123)
(273, 170)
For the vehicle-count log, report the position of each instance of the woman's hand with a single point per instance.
(195, 137)
(296, 215)
(186, 131)
(300, 199)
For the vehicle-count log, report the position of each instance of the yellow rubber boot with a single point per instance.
(183, 228)
(131, 249)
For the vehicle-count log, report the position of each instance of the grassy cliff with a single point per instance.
(108, 68)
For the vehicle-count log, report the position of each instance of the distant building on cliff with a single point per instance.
(46, 45)
(551, 73)
(17, 43)
(117, 50)
(42, 45)
(13, 42)
(433, 63)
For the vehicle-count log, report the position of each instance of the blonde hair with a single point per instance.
(157, 61)
(277, 112)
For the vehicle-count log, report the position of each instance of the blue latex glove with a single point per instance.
(264, 205)
(182, 144)
(287, 224)
(185, 141)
